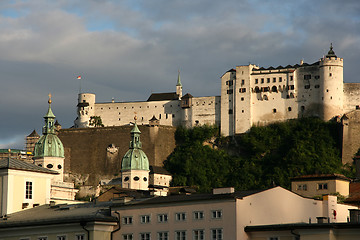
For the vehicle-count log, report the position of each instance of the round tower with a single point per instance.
(49, 150)
(135, 164)
(85, 109)
(331, 85)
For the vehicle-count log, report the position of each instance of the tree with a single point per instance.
(96, 121)
(263, 157)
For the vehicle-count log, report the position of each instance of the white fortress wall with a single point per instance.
(274, 96)
(227, 103)
(116, 114)
(205, 110)
(308, 82)
(242, 99)
(351, 96)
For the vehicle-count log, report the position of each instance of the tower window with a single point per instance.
(330, 74)
(262, 80)
(256, 81)
(280, 79)
(289, 109)
(268, 80)
(230, 111)
(136, 178)
(274, 110)
(274, 79)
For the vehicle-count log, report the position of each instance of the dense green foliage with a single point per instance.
(264, 157)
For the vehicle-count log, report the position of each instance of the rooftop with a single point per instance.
(9, 163)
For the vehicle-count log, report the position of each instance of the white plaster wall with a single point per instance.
(141, 184)
(204, 110)
(117, 114)
(227, 222)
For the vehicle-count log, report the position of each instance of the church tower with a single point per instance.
(179, 86)
(135, 164)
(331, 85)
(49, 150)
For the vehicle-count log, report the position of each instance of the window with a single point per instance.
(198, 234)
(291, 78)
(330, 74)
(317, 77)
(61, 238)
(302, 187)
(268, 80)
(198, 215)
(230, 111)
(317, 86)
(307, 77)
(180, 216)
(28, 190)
(145, 236)
(80, 237)
(242, 90)
(242, 99)
(163, 235)
(162, 217)
(274, 110)
(230, 91)
(273, 238)
(216, 214)
(256, 81)
(180, 235)
(42, 238)
(289, 109)
(291, 87)
(274, 79)
(145, 218)
(127, 220)
(242, 82)
(322, 186)
(262, 80)
(217, 234)
(280, 79)
(127, 236)
(230, 82)
(307, 86)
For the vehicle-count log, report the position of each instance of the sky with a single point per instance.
(127, 49)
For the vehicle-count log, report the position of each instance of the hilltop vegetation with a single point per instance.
(263, 157)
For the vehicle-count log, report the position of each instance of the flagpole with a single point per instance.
(79, 78)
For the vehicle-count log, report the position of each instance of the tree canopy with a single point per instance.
(263, 157)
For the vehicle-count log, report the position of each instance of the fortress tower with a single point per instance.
(85, 109)
(49, 150)
(135, 164)
(332, 85)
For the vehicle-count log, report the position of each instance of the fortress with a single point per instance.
(250, 95)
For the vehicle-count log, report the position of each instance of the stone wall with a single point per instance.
(351, 135)
(94, 154)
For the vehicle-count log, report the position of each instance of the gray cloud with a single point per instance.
(126, 49)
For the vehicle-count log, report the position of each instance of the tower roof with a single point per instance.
(49, 145)
(331, 52)
(135, 158)
(33, 134)
(178, 80)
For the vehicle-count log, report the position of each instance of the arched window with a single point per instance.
(274, 89)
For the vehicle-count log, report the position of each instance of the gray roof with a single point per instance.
(163, 96)
(9, 163)
(159, 170)
(195, 197)
(58, 214)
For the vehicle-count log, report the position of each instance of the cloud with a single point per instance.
(127, 49)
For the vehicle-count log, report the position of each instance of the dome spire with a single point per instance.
(178, 80)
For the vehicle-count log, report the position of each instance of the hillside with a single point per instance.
(263, 157)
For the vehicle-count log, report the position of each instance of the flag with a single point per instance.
(79, 77)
